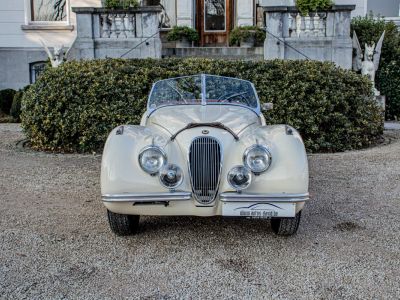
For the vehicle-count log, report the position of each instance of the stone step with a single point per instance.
(255, 53)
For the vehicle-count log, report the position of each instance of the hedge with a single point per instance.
(6, 99)
(15, 110)
(73, 108)
(390, 84)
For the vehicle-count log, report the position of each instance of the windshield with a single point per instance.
(190, 89)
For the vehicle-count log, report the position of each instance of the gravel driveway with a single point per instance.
(55, 241)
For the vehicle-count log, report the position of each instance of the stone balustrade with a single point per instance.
(131, 33)
(323, 35)
(118, 25)
(314, 24)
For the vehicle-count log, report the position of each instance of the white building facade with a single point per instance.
(24, 24)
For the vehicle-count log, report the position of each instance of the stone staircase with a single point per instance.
(256, 53)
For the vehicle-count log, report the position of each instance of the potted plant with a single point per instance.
(183, 36)
(246, 36)
(306, 7)
(118, 4)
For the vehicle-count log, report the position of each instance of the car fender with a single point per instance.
(120, 168)
(288, 172)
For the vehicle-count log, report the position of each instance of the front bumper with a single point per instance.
(268, 198)
(183, 203)
(151, 197)
(187, 196)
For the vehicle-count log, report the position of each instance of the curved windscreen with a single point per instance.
(202, 89)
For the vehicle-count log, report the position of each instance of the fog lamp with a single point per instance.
(171, 176)
(239, 177)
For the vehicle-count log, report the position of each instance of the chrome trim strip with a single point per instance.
(241, 197)
(203, 90)
(173, 196)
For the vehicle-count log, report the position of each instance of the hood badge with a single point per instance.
(205, 131)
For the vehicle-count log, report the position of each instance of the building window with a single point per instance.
(48, 10)
(214, 15)
(36, 68)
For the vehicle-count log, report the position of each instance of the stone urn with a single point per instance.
(248, 42)
(183, 43)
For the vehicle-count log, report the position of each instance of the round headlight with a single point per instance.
(152, 159)
(239, 178)
(171, 176)
(257, 158)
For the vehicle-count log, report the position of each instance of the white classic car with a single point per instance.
(203, 149)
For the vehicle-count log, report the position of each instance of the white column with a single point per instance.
(184, 13)
(245, 13)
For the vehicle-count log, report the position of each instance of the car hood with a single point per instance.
(174, 118)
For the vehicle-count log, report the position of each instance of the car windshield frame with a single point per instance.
(204, 101)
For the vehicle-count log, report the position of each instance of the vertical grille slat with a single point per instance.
(205, 168)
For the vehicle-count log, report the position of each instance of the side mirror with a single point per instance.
(267, 106)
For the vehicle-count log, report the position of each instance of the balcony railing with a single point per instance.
(113, 32)
(322, 35)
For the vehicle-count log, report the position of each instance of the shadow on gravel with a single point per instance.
(348, 226)
(203, 224)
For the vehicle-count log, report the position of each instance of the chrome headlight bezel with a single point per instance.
(237, 187)
(267, 154)
(162, 153)
(179, 174)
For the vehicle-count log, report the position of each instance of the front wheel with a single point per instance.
(286, 226)
(123, 224)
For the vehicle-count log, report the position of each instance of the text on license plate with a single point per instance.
(259, 210)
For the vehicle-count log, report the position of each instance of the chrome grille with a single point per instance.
(205, 168)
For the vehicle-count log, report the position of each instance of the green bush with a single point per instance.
(390, 84)
(115, 4)
(307, 6)
(369, 30)
(177, 33)
(245, 32)
(74, 107)
(15, 111)
(6, 99)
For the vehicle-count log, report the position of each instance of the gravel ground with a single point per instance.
(55, 241)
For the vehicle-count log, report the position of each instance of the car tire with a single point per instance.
(123, 224)
(286, 226)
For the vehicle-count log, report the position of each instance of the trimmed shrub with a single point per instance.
(307, 6)
(244, 32)
(116, 4)
(6, 99)
(390, 84)
(369, 30)
(15, 110)
(177, 33)
(74, 107)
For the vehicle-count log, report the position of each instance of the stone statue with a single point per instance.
(165, 21)
(58, 56)
(372, 55)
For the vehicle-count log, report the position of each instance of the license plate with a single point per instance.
(259, 210)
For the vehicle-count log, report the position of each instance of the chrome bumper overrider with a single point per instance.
(242, 197)
(225, 197)
(154, 197)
